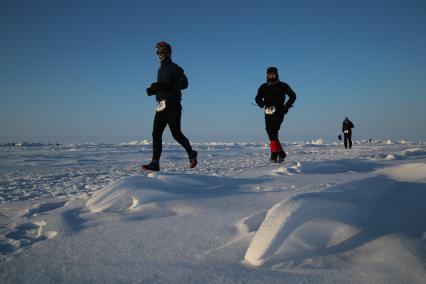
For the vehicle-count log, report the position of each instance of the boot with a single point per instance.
(193, 159)
(274, 157)
(154, 166)
(281, 156)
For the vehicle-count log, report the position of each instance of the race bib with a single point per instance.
(270, 110)
(161, 105)
(346, 131)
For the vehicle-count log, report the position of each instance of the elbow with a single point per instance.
(184, 86)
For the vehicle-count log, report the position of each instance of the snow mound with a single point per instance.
(317, 142)
(390, 157)
(286, 216)
(132, 192)
(414, 153)
(344, 218)
(414, 172)
(389, 142)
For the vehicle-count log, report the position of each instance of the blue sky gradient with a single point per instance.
(76, 71)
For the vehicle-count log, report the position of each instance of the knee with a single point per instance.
(177, 135)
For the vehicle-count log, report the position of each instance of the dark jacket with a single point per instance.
(171, 80)
(274, 95)
(347, 125)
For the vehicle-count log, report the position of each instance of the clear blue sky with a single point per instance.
(76, 71)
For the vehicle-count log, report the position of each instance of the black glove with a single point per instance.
(150, 91)
(261, 105)
(286, 108)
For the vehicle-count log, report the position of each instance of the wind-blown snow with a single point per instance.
(372, 207)
(413, 172)
(85, 213)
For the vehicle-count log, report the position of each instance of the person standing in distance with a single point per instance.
(272, 96)
(347, 126)
(171, 80)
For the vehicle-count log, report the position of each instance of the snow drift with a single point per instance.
(130, 193)
(394, 199)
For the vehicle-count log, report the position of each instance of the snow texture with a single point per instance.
(85, 213)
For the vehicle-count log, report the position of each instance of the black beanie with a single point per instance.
(162, 45)
(272, 70)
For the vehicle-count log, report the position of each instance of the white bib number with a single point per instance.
(161, 105)
(346, 131)
(270, 110)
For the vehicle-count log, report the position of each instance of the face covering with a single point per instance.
(164, 50)
(271, 79)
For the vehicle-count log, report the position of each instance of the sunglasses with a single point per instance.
(162, 51)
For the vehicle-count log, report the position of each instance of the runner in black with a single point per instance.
(271, 96)
(171, 80)
(347, 126)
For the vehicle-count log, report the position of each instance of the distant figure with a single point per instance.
(171, 80)
(271, 96)
(347, 132)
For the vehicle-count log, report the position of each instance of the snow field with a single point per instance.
(326, 215)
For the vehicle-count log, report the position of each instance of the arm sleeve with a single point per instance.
(259, 97)
(291, 97)
(181, 80)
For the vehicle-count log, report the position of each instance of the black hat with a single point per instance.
(163, 47)
(272, 70)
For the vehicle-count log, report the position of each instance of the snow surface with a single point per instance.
(85, 213)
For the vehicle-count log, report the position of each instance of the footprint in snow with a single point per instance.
(24, 235)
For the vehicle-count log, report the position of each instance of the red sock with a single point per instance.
(275, 146)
